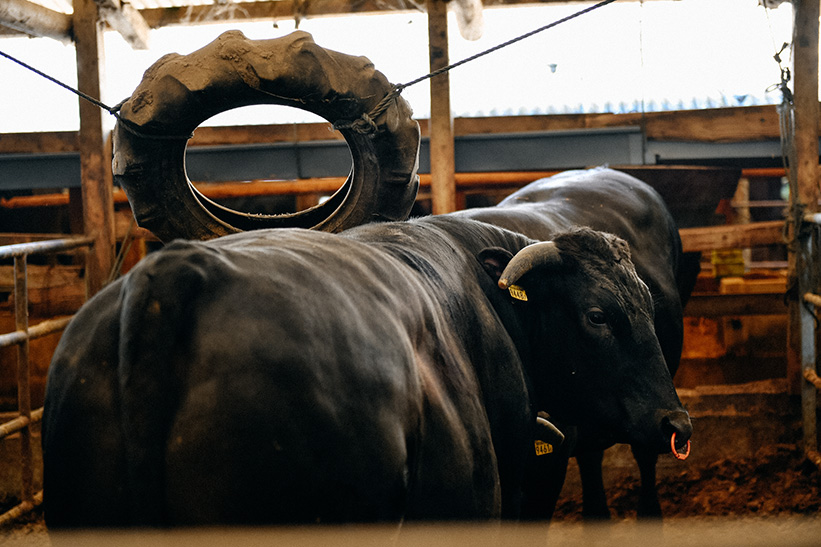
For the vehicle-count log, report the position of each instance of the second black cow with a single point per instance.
(615, 202)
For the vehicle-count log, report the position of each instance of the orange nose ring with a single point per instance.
(675, 452)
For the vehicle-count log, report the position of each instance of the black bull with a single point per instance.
(617, 203)
(298, 376)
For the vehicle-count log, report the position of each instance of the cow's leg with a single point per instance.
(84, 458)
(545, 479)
(649, 506)
(594, 500)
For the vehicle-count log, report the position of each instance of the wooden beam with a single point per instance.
(735, 124)
(732, 236)
(95, 164)
(39, 143)
(54, 289)
(750, 123)
(802, 350)
(715, 125)
(125, 20)
(723, 305)
(288, 9)
(248, 134)
(276, 10)
(35, 20)
(761, 233)
(805, 44)
(318, 185)
(442, 148)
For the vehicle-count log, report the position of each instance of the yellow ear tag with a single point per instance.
(543, 448)
(517, 292)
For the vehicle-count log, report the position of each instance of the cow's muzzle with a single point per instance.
(676, 429)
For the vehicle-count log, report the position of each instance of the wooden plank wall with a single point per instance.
(749, 123)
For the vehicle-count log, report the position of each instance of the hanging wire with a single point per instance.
(786, 131)
(785, 71)
(795, 229)
(366, 124)
(125, 246)
(556, 23)
(85, 96)
(113, 110)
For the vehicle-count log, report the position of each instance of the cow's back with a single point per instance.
(603, 199)
(280, 376)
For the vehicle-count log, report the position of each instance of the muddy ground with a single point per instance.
(776, 482)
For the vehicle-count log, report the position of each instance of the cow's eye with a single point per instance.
(596, 317)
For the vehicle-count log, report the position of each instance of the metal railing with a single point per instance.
(808, 285)
(20, 337)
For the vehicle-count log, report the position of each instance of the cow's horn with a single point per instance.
(533, 256)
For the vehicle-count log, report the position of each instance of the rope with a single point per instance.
(364, 124)
(504, 44)
(88, 98)
(129, 126)
(125, 246)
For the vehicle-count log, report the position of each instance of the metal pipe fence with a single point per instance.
(811, 302)
(21, 337)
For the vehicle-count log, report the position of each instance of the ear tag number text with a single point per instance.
(517, 292)
(543, 448)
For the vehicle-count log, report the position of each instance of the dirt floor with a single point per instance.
(778, 482)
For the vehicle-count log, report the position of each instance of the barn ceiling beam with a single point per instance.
(23, 16)
(276, 10)
(123, 18)
(290, 9)
(35, 20)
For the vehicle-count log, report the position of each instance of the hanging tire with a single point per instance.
(179, 92)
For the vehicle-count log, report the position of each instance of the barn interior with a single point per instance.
(741, 178)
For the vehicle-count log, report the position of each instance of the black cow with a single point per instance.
(615, 202)
(285, 376)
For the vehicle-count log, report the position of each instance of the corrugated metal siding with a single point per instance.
(651, 105)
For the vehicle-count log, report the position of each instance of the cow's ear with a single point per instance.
(494, 260)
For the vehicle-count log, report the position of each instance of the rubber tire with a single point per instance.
(179, 92)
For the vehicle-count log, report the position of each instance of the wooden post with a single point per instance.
(442, 161)
(98, 208)
(805, 169)
(21, 323)
(805, 51)
(802, 347)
